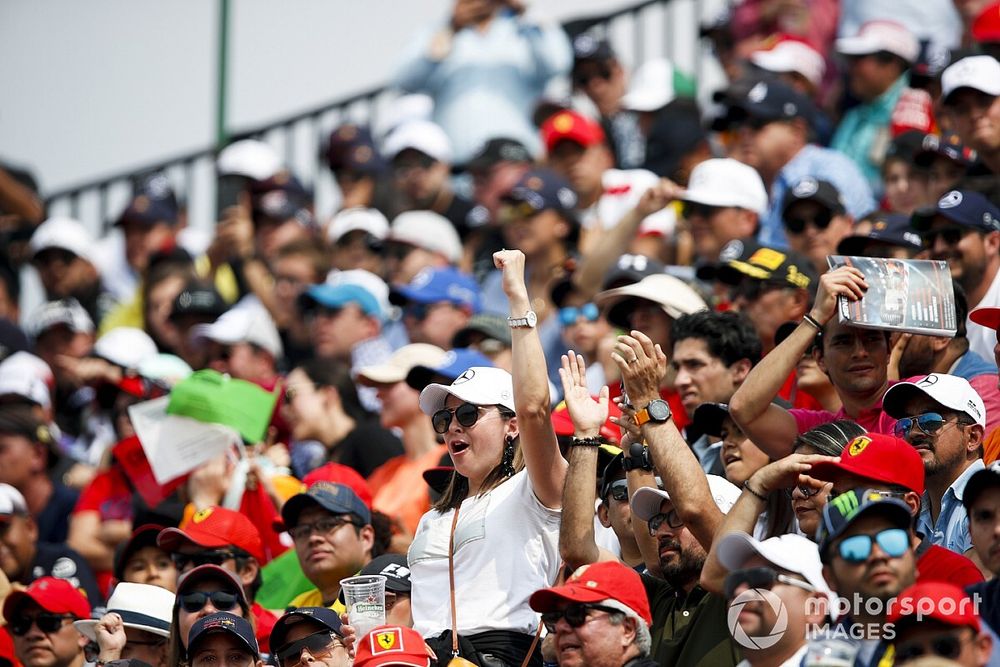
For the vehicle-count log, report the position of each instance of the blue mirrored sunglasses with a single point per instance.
(570, 314)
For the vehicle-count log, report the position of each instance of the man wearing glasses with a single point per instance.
(39, 619)
(815, 219)
(333, 536)
(866, 545)
(309, 635)
(600, 616)
(944, 419)
(223, 537)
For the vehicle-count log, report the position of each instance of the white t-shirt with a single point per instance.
(981, 339)
(622, 191)
(506, 548)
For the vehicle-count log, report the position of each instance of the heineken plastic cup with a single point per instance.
(365, 600)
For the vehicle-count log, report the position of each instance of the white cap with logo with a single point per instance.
(247, 322)
(951, 391)
(980, 73)
(876, 36)
(427, 230)
(478, 385)
(727, 182)
(646, 501)
(791, 55)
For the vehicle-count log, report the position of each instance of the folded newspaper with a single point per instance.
(914, 295)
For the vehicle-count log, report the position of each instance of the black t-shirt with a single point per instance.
(53, 522)
(458, 213)
(366, 447)
(61, 562)
(689, 629)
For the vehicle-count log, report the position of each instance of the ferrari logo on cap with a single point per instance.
(201, 515)
(858, 445)
(387, 640)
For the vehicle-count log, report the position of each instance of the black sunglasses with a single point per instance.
(820, 221)
(950, 235)
(575, 615)
(944, 646)
(759, 577)
(46, 622)
(221, 600)
(618, 490)
(182, 561)
(467, 415)
(319, 644)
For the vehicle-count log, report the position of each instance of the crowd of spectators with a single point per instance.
(566, 370)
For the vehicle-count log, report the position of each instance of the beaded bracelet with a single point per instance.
(586, 442)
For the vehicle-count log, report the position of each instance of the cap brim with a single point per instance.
(382, 374)
(736, 548)
(987, 317)
(646, 502)
(549, 599)
(856, 46)
(172, 539)
(130, 619)
(852, 245)
(708, 418)
(979, 482)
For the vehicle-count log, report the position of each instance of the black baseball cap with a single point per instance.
(589, 47)
(765, 100)
(198, 299)
(963, 207)
(980, 481)
(352, 147)
(154, 201)
(495, 151)
(334, 498)
(223, 622)
(889, 228)
(822, 192)
(543, 189)
(391, 566)
(746, 258)
(905, 146)
(631, 269)
(323, 616)
(948, 145)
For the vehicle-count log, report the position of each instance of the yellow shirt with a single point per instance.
(314, 598)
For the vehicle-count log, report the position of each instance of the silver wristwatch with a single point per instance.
(528, 321)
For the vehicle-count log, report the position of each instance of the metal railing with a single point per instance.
(652, 28)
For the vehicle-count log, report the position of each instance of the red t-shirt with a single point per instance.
(265, 623)
(110, 495)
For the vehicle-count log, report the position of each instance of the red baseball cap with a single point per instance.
(878, 457)
(607, 580)
(213, 528)
(939, 600)
(986, 27)
(338, 473)
(393, 645)
(571, 126)
(51, 594)
(988, 317)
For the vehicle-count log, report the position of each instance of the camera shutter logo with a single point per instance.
(757, 642)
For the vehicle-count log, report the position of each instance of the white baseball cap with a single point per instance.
(67, 312)
(789, 552)
(727, 182)
(646, 501)
(875, 36)
(479, 385)
(420, 135)
(11, 501)
(141, 607)
(651, 87)
(127, 347)
(980, 73)
(249, 157)
(247, 322)
(395, 368)
(791, 55)
(63, 233)
(25, 375)
(951, 391)
(357, 219)
(427, 230)
(673, 295)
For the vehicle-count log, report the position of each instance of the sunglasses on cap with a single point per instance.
(467, 415)
(858, 548)
(195, 601)
(319, 644)
(570, 314)
(575, 615)
(182, 561)
(46, 622)
(670, 518)
(583, 78)
(950, 235)
(691, 209)
(763, 578)
(928, 423)
(944, 646)
(797, 225)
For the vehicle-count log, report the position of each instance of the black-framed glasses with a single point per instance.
(671, 519)
(951, 235)
(858, 548)
(693, 209)
(575, 615)
(46, 622)
(760, 577)
(319, 644)
(467, 414)
(945, 646)
(570, 314)
(821, 220)
(217, 557)
(928, 423)
(195, 601)
(325, 526)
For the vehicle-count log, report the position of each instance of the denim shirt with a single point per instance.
(952, 528)
(822, 164)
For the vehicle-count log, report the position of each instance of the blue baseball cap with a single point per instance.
(543, 189)
(455, 363)
(963, 207)
(352, 147)
(840, 512)
(223, 621)
(889, 228)
(338, 296)
(437, 285)
(324, 616)
(154, 202)
(335, 498)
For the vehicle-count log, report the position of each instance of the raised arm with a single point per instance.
(546, 466)
(782, 474)
(773, 428)
(643, 366)
(577, 545)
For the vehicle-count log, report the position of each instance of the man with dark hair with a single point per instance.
(39, 619)
(226, 538)
(713, 353)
